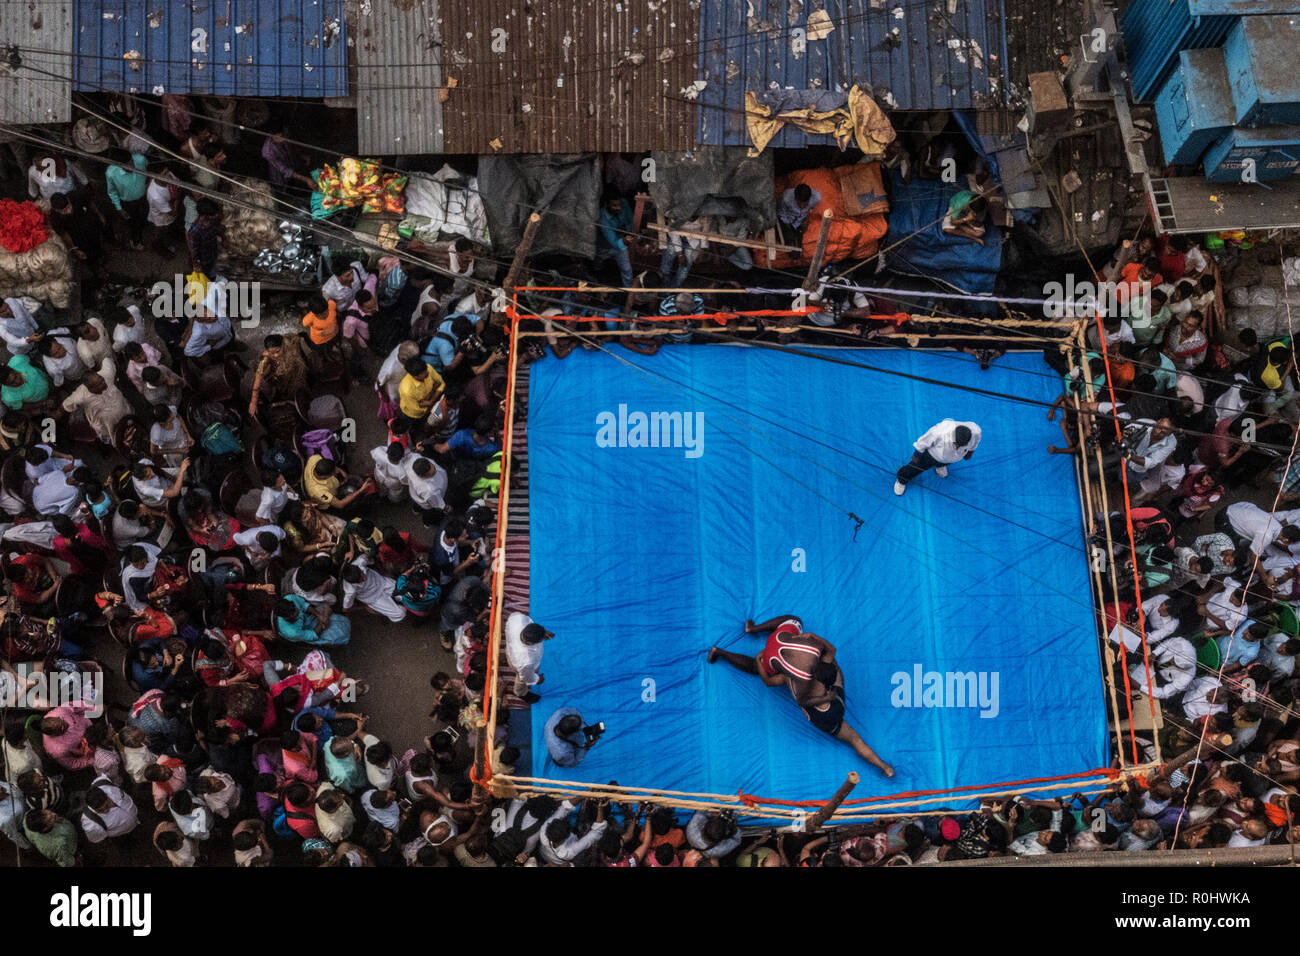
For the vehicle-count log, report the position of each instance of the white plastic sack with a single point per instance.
(1291, 270)
(1263, 295)
(445, 203)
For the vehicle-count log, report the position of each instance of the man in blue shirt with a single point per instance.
(567, 740)
(472, 443)
(443, 351)
(615, 223)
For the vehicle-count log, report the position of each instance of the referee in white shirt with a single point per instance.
(945, 443)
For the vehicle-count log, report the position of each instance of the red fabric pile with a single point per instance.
(22, 226)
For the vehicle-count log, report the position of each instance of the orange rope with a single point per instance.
(1132, 543)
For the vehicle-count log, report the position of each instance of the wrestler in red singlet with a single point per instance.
(773, 657)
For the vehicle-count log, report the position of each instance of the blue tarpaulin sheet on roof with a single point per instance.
(916, 243)
(644, 557)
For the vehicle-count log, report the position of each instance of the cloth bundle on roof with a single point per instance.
(247, 231)
(22, 226)
(44, 273)
(853, 117)
(444, 202)
(357, 182)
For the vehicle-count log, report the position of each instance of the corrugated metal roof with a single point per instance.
(27, 96)
(399, 59)
(222, 47)
(569, 75)
(912, 54)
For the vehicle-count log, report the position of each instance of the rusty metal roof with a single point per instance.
(43, 33)
(565, 76)
(399, 73)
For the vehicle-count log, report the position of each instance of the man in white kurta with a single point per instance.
(390, 475)
(373, 589)
(947, 442)
(100, 400)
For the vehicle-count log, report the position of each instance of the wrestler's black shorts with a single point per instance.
(829, 720)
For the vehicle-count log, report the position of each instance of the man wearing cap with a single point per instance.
(945, 443)
(524, 652)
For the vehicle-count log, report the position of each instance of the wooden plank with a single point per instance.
(726, 240)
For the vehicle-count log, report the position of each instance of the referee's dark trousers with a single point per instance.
(921, 461)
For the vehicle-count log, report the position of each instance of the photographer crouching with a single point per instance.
(568, 739)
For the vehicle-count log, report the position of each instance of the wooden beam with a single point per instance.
(815, 821)
(814, 267)
(726, 240)
(638, 214)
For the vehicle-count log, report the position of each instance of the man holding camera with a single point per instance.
(1147, 444)
(567, 739)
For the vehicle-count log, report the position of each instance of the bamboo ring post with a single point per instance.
(815, 821)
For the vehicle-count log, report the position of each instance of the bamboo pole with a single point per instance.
(521, 253)
(815, 821)
(715, 237)
(819, 254)
(1104, 503)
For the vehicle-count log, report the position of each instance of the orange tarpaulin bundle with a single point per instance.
(851, 236)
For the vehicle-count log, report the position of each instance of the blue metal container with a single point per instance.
(1275, 151)
(1156, 30)
(228, 48)
(1194, 107)
(1263, 58)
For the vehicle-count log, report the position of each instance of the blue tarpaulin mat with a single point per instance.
(642, 557)
(916, 243)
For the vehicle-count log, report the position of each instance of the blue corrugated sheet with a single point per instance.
(220, 47)
(913, 56)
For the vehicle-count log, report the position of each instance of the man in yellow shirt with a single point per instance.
(418, 392)
(323, 481)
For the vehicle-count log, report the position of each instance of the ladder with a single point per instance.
(1162, 206)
